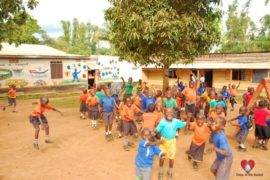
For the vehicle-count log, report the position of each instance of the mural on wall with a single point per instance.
(109, 69)
(16, 82)
(40, 82)
(5, 74)
(76, 72)
(39, 72)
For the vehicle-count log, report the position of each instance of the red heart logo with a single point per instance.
(247, 165)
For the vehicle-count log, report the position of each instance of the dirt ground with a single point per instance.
(79, 152)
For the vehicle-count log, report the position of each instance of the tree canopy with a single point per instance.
(12, 18)
(163, 32)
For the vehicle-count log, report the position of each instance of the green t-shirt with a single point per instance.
(100, 94)
(129, 88)
(169, 103)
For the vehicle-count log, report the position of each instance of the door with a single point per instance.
(91, 78)
(208, 78)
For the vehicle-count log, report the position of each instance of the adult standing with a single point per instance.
(128, 87)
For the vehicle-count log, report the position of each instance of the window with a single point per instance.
(238, 75)
(56, 69)
(259, 74)
(172, 73)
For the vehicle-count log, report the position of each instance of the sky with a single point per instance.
(49, 13)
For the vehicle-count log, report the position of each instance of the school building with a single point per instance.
(219, 69)
(38, 66)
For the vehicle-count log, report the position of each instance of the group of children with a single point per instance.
(157, 117)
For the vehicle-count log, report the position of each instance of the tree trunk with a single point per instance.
(165, 82)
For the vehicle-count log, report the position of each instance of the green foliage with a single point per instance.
(80, 38)
(163, 32)
(263, 39)
(13, 16)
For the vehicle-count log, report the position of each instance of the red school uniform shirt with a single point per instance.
(39, 110)
(83, 97)
(248, 98)
(12, 93)
(260, 116)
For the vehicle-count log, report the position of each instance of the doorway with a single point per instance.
(91, 78)
(208, 78)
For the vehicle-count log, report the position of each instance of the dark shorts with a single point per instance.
(262, 132)
(36, 122)
(120, 126)
(107, 118)
(129, 127)
(196, 152)
(12, 101)
(93, 112)
(241, 136)
(83, 107)
(190, 108)
(222, 167)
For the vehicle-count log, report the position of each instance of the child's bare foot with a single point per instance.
(160, 176)
(35, 145)
(126, 147)
(170, 175)
(195, 166)
(4, 108)
(48, 141)
(263, 147)
(131, 144)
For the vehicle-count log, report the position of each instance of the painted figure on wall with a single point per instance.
(75, 75)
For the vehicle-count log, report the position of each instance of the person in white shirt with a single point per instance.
(202, 79)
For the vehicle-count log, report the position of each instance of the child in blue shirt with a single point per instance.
(168, 127)
(222, 165)
(107, 104)
(145, 156)
(147, 100)
(243, 130)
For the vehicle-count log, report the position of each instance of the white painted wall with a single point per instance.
(22, 76)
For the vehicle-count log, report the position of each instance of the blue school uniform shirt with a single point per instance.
(146, 101)
(181, 87)
(145, 155)
(225, 94)
(242, 120)
(220, 142)
(200, 91)
(107, 104)
(168, 129)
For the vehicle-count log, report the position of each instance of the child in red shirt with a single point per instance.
(37, 118)
(11, 98)
(262, 131)
(83, 108)
(249, 96)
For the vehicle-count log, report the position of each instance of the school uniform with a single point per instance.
(37, 115)
(145, 158)
(92, 106)
(150, 120)
(222, 164)
(199, 138)
(128, 119)
(83, 107)
(107, 104)
(190, 99)
(168, 130)
(146, 101)
(12, 96)
(242, 134)
(262, 131)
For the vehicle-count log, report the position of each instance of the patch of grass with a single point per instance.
(67, 102)
(37, 96)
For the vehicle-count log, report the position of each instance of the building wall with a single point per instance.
(220, 78)
(20, 72)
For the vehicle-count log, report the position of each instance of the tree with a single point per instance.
(240, 30)
(13, 15)
(263, 39)
(163, 32)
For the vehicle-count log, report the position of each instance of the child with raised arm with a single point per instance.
(242, 120)
(11, 98)
(221, 168)
(167, 127)
(38, 118)
(145, 157)
(200, 136)
(233, 89)
(92, 106)
(83, 107)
